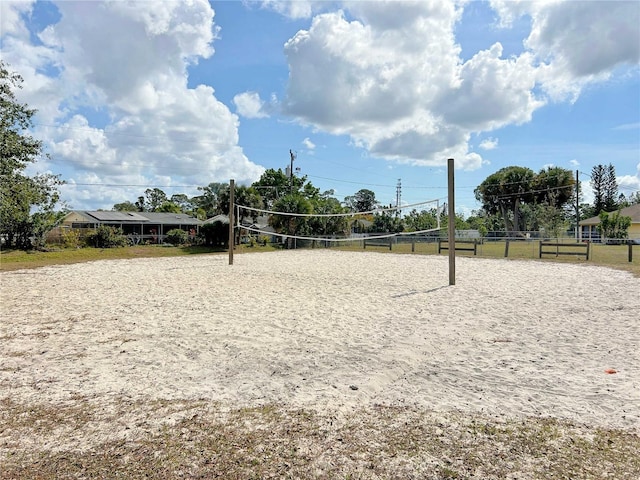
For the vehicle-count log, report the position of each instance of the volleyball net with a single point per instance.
(335, 227)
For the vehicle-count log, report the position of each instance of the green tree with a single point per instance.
(605, 188)
(27, 204)
(185, 204)
(552, 219)
(273, 184)
(460, 222)
(168, 207)
(154, 198)
(598, 186)
(245, 196)
(504, 192)
(289, 224)
(364, 200)
(125, 207)
(554, 186)
(424, 220)
(386, 222)
(611, 192)
(614, 226)
(209, 199)
(326, 204)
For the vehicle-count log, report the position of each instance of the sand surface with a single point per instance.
(325, 329)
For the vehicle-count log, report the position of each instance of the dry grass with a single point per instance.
(18, 259)
(199, 439)
(612, 256)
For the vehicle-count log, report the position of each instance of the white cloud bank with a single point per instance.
(128, 61)
(389, 74)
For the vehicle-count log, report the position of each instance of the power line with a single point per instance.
(130, 185)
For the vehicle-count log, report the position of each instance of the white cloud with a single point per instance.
(489, 144)
(295, 9)
(509, 10)
(10, 18)
(129, 61)
(629, 184)
(492, 92)
(628, 126)
(576, 42)
(250, 105)
(382, 80)
(309, 144)
(586, 38)
(399, 88)
(574, 163)
(586, 192)
(396, 82)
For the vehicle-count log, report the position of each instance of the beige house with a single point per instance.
(589, 230)
(149, 227)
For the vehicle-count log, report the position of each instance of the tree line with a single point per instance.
(514, 199)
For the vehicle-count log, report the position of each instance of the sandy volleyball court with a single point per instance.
(332, 330)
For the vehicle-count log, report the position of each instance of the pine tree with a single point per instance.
(598, 184)
(611, 189)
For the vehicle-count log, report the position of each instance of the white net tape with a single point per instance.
(333, 238)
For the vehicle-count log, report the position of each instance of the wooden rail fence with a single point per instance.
(377, 242)
(443, 244)
(575, 249)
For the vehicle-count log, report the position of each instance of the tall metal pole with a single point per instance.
(232, 187)
(452, 223)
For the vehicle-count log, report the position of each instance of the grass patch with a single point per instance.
(272, 441)
(613, 256)
(18, 259)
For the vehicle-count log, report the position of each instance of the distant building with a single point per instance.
(589, 226)
(141, 226)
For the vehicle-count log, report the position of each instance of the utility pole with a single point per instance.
(398, 196)
(293, 157)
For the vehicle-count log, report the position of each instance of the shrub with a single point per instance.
(176, 237)
(71, 239)
(106, 237)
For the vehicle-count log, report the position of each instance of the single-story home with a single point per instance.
(141, 226)
(589, 226)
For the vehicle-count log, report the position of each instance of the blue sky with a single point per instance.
(175, 95)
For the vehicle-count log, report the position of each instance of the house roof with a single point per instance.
(171, 218)
(633, 211)
(222, 218)
(139, 217)
(125, 217)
